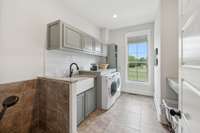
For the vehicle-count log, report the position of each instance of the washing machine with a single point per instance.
(111, 89)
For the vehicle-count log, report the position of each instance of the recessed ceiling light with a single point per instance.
(114, 15)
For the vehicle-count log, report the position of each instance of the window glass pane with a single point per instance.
(137, 60)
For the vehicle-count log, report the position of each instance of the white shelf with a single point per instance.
(173, 83)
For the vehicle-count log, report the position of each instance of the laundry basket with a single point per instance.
(172, 120)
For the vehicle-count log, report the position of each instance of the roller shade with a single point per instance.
(137, 39)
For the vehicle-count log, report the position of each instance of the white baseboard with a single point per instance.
(137, 91)
(158, 109)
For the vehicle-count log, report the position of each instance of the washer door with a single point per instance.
(118, 80)
(114, 88)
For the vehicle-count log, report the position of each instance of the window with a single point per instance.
(138, 59)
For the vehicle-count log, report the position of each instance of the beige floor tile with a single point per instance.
(118, 128)
(130, 114)
(153, 129)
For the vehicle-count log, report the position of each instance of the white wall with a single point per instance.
(118, 37)
(58, 62)
(169, 44)
(166, 40)
(23, 35)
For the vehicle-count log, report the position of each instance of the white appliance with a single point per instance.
(111, 89)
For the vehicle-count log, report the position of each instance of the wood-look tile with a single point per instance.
(119, 128)
(130, 114)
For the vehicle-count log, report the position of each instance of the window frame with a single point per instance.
(135, 34)
(147, 64)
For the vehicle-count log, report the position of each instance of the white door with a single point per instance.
(138, 59)
(189, 102)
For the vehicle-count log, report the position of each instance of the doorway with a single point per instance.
(139, 66)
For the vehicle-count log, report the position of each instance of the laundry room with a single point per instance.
(99, 66)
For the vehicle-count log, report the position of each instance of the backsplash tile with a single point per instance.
(58, 62)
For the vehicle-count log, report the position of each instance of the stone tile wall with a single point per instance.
(43, 106)
(21, 117)
(54, 106)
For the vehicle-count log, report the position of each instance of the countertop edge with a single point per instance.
(56, 79)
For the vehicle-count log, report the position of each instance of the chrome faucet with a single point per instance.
(71, 70)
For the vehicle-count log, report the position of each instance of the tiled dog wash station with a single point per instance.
(43, 106)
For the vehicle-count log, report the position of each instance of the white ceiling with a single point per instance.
(129, 12)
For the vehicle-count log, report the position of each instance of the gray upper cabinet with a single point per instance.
(54, 35)
(63, 36)
(71, 37)
(100, 48)
(87, 43)
(97, 47)
(104, 50)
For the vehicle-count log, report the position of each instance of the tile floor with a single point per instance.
(130, 114)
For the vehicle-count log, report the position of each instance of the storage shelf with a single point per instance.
(173, 83)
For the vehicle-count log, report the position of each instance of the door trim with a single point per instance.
(143, 88)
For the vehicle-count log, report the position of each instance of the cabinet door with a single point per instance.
(54, 31)
(90, 101)
(88, 44)
(80, 108)
(104, 50)
(72, 38)
(97, 46)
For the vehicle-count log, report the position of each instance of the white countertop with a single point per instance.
(100, 71)
(72, 79)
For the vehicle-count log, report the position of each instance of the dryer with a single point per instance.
(111, 89)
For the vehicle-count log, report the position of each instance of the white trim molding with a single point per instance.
(136, 87)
